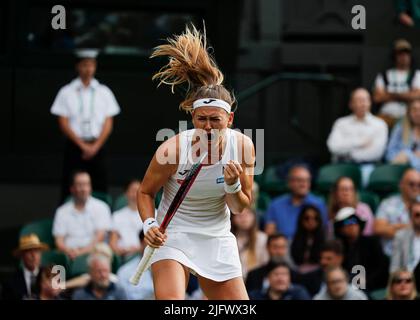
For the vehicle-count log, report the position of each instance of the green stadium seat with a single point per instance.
(120, 202)
(79, 266)
(103, 196)
(117, 262)
(259, 178)
(42, 228)
(158, 198)
(379, 294)
(264, 200)
(55, 257)
(370, 198)
(324, 197)
(272, 184)
(129, 258)
(329, 174)
(385, 179)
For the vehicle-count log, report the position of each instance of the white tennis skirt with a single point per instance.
(214, 258)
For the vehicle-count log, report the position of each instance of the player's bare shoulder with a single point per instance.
(245, 149)
(243, 140)
(168, 152)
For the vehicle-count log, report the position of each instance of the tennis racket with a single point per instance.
(144, 263)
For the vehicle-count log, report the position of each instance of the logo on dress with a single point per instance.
(183, 173)
(220, 180)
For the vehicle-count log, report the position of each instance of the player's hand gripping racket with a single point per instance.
(144, 263)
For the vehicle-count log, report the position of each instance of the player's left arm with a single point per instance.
(242, 172)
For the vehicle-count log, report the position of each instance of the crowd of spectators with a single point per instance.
(304, 245)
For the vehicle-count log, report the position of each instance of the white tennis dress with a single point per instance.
(199, 234)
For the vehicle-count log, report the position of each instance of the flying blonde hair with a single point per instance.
(191, 63)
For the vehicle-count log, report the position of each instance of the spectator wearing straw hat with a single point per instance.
(24, 284)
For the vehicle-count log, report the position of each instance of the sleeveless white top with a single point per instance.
(204, 209)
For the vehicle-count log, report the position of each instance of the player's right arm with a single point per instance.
(161, 168)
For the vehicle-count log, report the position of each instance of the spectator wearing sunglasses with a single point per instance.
(406, 248)
(401, 286)
(308, 239)
(393, 212)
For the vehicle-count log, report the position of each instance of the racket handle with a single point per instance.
(143, 265)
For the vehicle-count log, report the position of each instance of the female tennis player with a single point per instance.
(198, 239)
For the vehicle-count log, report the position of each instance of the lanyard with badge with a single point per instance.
(87, 122)
(398, 85)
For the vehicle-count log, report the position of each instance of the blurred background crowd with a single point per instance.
(336, 210)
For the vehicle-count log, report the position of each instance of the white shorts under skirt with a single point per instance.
(214, 258)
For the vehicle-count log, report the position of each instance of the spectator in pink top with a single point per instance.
(343, 194)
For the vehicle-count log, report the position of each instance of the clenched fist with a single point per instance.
(232, 172)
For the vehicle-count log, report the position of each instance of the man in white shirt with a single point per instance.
(360, 137)
(398, 85)
(85, 110)
(82, 222)
(127, 224)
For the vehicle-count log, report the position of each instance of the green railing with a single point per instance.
(285, 76)
(330, 108)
